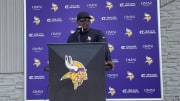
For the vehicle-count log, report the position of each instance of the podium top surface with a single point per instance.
(80, 43)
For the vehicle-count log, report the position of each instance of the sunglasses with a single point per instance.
(84, 19)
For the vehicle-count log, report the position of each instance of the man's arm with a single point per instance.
(102, 38)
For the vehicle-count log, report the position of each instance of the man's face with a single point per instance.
(84, 22)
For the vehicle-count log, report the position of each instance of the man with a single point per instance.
(86, 34)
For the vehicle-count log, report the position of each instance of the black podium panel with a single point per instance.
(77, 72)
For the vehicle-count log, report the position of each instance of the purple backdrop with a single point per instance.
(131, 27)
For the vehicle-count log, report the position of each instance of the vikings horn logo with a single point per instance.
(36, 20)
(54, 7)
(112, 91)
(109, 5)
(77, 72)
(149, 60)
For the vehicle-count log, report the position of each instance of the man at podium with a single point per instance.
(84, 33)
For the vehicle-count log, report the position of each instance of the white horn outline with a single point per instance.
(69, 63)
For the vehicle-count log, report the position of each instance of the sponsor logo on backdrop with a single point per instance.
(72, 19)
(127, 4)
(148, 46)
(130, 60)
(111, 47)
(147, 17)
(130, 75)
(35, 35)
(92, 19)
(112, 76)
(37, 49)
(111, 91)
(37, 77)
(130, 91)
(109, 5)
(149, 75)
(152, 31)
(128, 32)
(37, 91)
(111, 32)
(77, 72)
(150, 90)
(149, 60)
(146, 3)
(55, 34)
(109, 18)
(129, 17)
(72, 6)
(37, 62)
(36, 20)
(54, 7)
(129, 47)
(54, 20)
(37, 7)
(93, 5)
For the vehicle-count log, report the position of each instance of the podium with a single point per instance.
(77, 72)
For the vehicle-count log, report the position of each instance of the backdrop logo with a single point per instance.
(92, 19)
(32, 35)
(54, 20)
(147, 31)
(149, 75)
(109, 5)
(112, 91)
(37, 62)
(148, 46)
(77, 72)
(37, 77)
(37, 91)
(129, 17)
(146, 3)
(92, 5)
(129, 32)
(56, 34)
(130, 91)
(111, 47)
(111, 32)
(72, 6)
(36, 20)
(37, 49)
(72, 19)
(129, 47)
(112, 76)
(149, 90)
(147, 17)
(37, 7)
(131, 60)
(127, 4)
(54, 7)
(130, 75)
(109, 18)
(149, 60)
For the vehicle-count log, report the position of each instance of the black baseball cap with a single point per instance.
(83, 14)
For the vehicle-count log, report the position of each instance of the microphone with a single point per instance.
(79, 29)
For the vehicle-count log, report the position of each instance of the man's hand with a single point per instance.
(109, 63)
